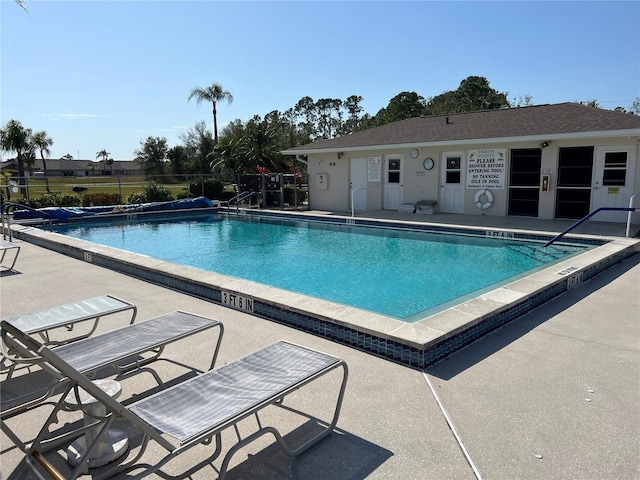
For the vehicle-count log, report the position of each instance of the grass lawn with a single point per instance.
(105, 184)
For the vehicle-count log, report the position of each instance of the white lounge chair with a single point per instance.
(123, 349)
(67, 316)
(199, 409)
(6, 247)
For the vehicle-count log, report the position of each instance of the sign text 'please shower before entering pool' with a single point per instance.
(486, 168)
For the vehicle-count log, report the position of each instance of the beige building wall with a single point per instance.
(421, 184)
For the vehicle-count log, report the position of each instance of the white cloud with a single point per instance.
(70, 115)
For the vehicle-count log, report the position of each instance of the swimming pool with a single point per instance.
(418, 343)
(402, 274)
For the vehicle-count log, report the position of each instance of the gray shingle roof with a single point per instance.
(535, 121)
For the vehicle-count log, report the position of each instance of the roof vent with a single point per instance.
(448, 121)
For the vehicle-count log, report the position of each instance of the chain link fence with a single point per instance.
(270, 190)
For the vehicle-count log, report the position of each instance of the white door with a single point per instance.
(613, 181)
(358, 178)
(452, 183)
(393, 182)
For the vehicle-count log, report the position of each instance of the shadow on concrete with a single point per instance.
(9, 273)
(341, 456)
(486, 346)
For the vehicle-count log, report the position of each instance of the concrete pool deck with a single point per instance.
(553, 395)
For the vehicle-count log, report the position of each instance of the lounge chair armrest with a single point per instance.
(23, 355)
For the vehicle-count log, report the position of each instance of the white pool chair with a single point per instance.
(67, 316)
(199, 409)
(6, 247)
(124, 349)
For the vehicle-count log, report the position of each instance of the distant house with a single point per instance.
(78, 168)
(548, 161)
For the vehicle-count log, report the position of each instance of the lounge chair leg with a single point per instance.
(47, 466)
(263, 431)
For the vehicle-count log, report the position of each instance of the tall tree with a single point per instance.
(229, 155)
(16, 138)
(177, 157)
(260, 147)
(199, 145)
(354, 111)
(402, 106)
(213, 93)
(151, 155)
(474, 93)
(42, 142)
(104, 155)
(306, 111)
(329, 117)
(284, 125)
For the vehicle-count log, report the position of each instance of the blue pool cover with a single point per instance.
(65, 213)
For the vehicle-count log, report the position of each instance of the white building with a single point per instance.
(549, 161)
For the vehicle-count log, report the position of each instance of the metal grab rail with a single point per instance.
(353, 190)
(240, 196)
(5, 215)
(584, 219)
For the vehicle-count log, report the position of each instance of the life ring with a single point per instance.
(485, 203)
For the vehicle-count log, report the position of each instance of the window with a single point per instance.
(615, 169)
(453, 169)
(393, 174)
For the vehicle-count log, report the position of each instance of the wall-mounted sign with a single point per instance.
(613, 191)
(486, 168)
(322, 181)
(374, 169)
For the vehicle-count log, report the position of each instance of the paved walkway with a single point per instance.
(553, 395)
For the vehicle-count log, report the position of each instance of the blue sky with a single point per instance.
(107, 74)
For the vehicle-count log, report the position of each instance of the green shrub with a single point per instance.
(213, 188)
(99, 199)
(58, 199)
(224, 196)
(183, 195)
(152, 192)
(155, 192)
(136, 197)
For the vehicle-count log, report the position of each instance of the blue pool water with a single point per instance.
(397, 273)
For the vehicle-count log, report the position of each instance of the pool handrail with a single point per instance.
(241, 196)
(587, 217)
(5, 214)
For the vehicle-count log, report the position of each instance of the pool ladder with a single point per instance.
(238, 198)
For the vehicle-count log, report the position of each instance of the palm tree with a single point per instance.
(105, 157)
(15, 138)
(229, 154)
(213, 93)
(260, 147)
(42, 142)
